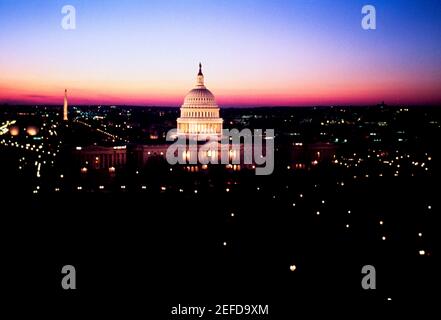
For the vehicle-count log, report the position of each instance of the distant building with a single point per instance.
(139, 155)
(199, 113)
(99, 157)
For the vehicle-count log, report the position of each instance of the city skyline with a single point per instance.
(220, 159)
(297, 53)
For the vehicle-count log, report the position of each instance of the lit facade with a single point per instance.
(199, 113)
(99, 157)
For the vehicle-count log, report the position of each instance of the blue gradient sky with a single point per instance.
(299, 52)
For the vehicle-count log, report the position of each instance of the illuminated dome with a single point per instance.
(199, 96)
(199, 113)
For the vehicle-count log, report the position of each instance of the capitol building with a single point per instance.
(199, 113)
(199, 120)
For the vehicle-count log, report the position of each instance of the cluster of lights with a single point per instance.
(384, 159)
(110, 135)
(347, 162)
(383, 237)
(32, 147)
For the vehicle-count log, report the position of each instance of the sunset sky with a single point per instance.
(298, 52)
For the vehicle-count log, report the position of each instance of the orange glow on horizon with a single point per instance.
(171, 93)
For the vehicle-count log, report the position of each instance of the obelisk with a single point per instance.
(65, 106)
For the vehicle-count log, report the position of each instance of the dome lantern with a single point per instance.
(200, 77)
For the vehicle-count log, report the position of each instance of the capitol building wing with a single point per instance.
(199, 113)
